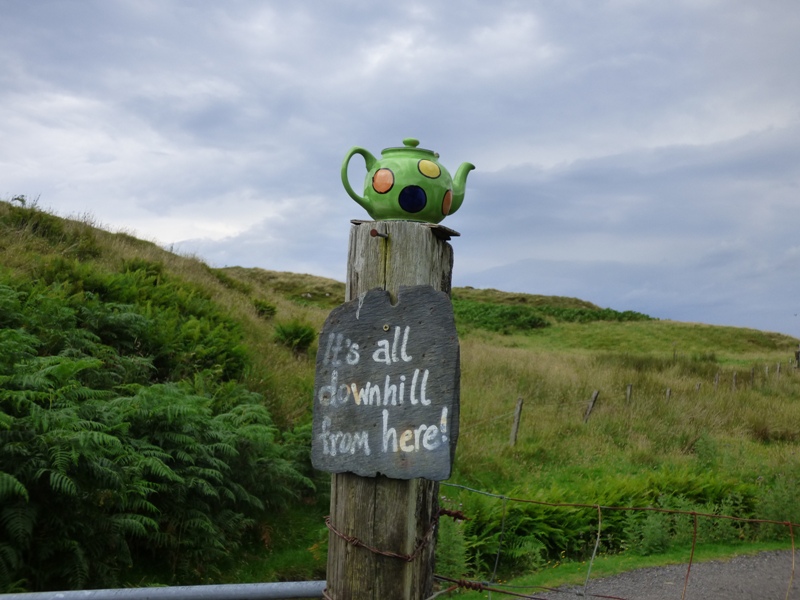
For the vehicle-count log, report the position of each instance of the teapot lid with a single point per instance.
(408, 145)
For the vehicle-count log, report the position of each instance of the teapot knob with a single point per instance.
(410, 142)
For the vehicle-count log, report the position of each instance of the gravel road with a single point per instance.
(764, 576)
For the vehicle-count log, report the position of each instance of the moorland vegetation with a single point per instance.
(155, 421)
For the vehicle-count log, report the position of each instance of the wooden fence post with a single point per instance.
(589, 408)
(628, 393)
(515, 424)
(390, 515)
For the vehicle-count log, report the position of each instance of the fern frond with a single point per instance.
(59, 482)
(19, 521)
(11, 486)
(10, 560)
(154, 466)
(202, 486)
(140, 505)
(134, 524)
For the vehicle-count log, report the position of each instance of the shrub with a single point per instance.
(497, 317)
(264, 309)
(123, 433)
(587, 315)
(91, 485)
(295, 335)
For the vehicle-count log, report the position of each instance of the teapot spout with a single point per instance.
(460, 185)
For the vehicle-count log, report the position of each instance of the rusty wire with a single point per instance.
(481, 586)
(631, 508)
(420, 546)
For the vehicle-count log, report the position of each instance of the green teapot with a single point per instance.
(408, 184)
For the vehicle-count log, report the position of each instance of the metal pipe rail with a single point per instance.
(239, 591)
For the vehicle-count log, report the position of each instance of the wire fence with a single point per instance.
(316, 589)
(492, 586)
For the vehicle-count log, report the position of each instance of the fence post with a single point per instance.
(391, 515)
(733, 382)
(595, 394)
(628, 393)
(716, 381)
(515, 424)
(669, 393)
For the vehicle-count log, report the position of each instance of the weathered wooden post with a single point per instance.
(515, 424)
(589, 408)
(386, 398)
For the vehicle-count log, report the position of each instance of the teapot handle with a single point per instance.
(369, 159)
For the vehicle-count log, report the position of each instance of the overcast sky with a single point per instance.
(640, 155)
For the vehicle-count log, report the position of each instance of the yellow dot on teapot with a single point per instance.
(429, 168)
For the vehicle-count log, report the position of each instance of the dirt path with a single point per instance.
(763, 576)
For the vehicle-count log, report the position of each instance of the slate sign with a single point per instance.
(386, 391)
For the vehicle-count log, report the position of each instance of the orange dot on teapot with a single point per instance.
(383, 180)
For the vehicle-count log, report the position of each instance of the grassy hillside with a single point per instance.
(710, 424)
(153, 419)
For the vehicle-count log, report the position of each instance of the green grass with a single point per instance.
(669, 338)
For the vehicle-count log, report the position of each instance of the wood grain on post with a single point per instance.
(390, 515)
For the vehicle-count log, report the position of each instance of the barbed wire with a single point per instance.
(420, 546)
(632, 508)
(600, 508)
(491, 586)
